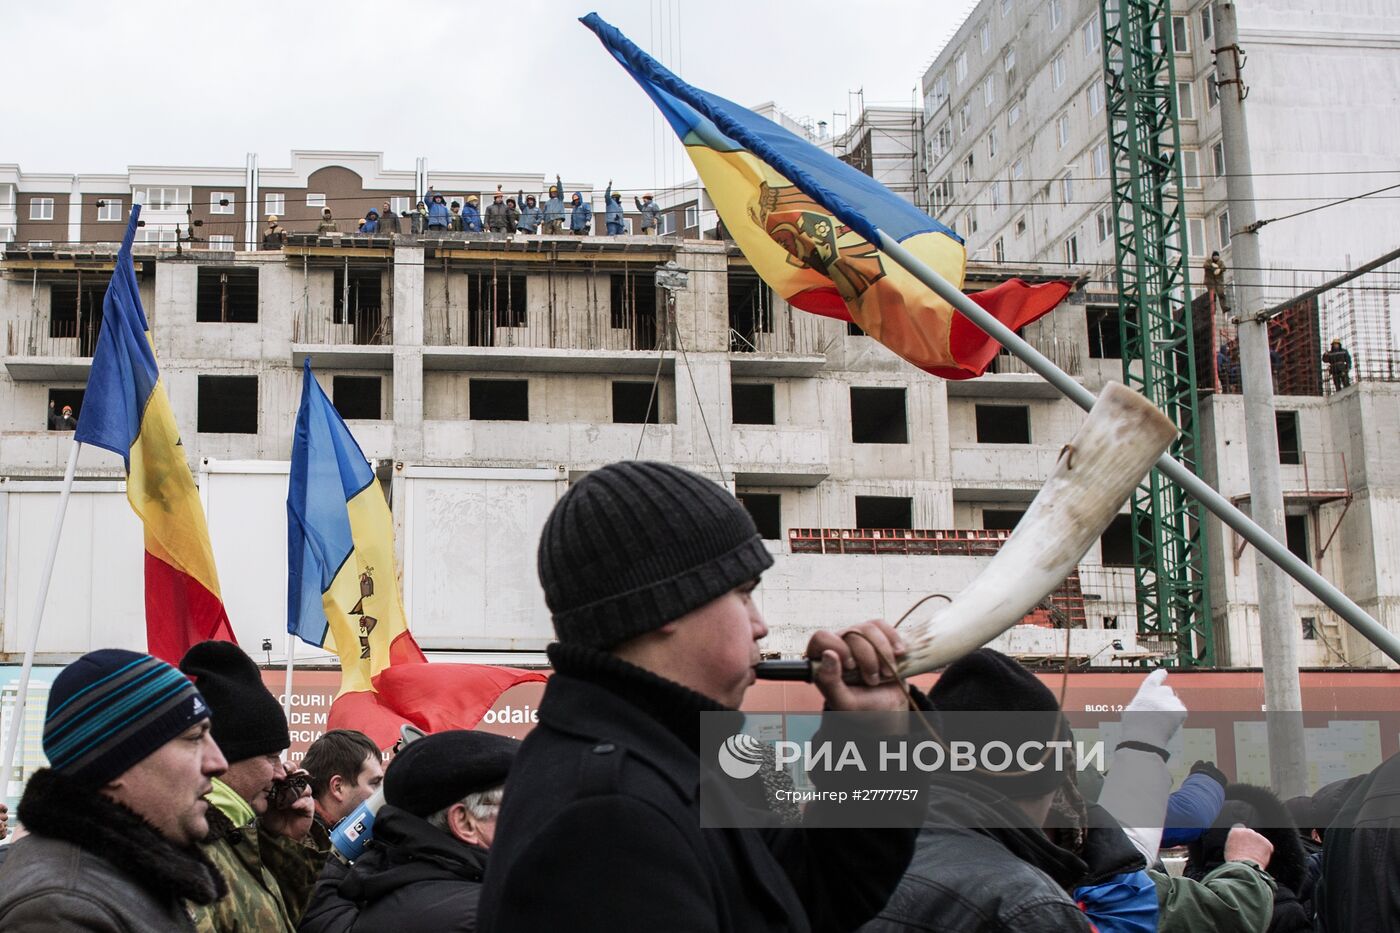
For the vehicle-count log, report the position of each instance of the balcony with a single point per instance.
(769, 456)
(765, 340)
(1008, 377)
(356, 332)
(529, 443)
(488, 318)
(354, 329)
(991, 471)
(44, 349)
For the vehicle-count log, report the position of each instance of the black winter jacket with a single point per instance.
(92, 864)
(969, 875)
(411, 870)
(600, 826)
(1360, 888)
(1260, 810)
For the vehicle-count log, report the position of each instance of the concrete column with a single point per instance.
(408, 353)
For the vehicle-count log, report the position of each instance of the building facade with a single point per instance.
(481, 374)
(1016, 157)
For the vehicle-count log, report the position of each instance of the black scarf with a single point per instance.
(56, 806)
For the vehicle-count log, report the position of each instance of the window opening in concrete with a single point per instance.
(1295, 529)
(877, 416)
(1001, 519)
(853, 329)
(633, 307)
(500, 400)
(493, 300)
(226, 296)
(1116, 543)
(75, 310)
(58, 398)
(1289, 449)
(753, 402)
(358, 397)
(750, 311)
(1309, 628)
(1105, 340)
(766, 511)
(358, 298)
(1003, 424)
(884, 512)
(632, 403)
(1110, 621)
(228, 405)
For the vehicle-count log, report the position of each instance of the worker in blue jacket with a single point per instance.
(612, 216)
(554, 211)
(439, 217)
(471, 216)
(581, 217)
(530, 214)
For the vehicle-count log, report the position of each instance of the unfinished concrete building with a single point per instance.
(481, 374)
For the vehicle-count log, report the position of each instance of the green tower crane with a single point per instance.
(1154, 315)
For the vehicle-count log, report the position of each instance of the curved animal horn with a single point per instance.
(1097, 471)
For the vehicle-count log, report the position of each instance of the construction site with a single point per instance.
(482, 374)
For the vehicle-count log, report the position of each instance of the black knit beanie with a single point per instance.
(635, 545)
(987, 682)
(246, 719)
(438, 770)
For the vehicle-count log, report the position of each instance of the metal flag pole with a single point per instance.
(40, 599)
(287, 683)
(1221, 507)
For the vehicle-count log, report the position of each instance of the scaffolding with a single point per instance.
(1363, 314)
(1173, 601)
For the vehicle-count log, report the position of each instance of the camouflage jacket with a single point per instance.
(269, 877)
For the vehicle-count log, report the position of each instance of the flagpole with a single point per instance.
(40, 598)
(1223, 508)
(287, 683)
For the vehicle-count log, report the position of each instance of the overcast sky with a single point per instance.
(508, 85)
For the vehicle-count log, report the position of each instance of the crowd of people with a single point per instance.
(505, 214)
(167, 804)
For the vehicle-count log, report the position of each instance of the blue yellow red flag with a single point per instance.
(343, 590)
(807, 223)
(125, 410)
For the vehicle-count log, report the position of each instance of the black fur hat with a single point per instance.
(1262, 811)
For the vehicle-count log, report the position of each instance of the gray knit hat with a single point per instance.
(637, 544)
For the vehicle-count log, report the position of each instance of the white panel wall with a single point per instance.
(96, 599)
(469, 556)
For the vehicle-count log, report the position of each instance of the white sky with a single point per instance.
(506, 85)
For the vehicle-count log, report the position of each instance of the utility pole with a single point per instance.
(1278, 629)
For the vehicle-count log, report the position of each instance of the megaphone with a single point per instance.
(1097, 471)
(353, 833)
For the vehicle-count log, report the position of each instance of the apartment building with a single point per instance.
(1016, 158)
(481, 374)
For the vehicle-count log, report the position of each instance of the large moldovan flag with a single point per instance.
(343, 591)
(752, 169)
(125, 410)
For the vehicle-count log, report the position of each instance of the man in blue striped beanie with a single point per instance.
(115, 820)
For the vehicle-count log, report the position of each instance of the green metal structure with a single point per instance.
(1154, 315)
